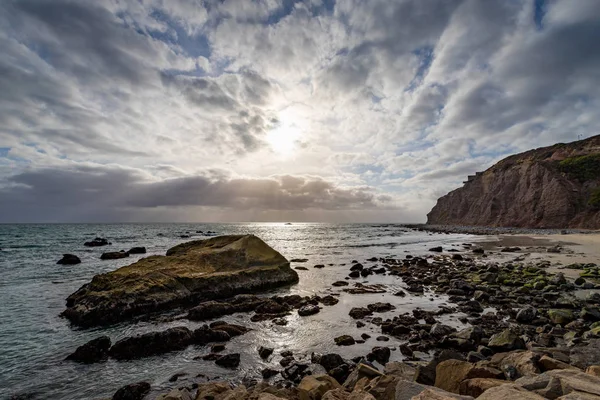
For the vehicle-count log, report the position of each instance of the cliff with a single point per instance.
(550, 187)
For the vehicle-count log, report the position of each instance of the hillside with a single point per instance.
(550, 187)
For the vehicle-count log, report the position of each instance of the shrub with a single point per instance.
(594, 201)
(583, 168)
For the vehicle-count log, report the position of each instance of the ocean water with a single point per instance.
(34, 339)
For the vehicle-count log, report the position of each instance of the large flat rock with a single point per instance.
(195, 271)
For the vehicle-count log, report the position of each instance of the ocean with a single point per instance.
(34, 339)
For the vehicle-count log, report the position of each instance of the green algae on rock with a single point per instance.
(199, 270)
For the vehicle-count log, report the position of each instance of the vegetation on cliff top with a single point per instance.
(583, 168)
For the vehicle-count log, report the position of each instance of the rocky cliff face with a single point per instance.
(549, 187)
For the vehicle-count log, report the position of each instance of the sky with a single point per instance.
(280, 110)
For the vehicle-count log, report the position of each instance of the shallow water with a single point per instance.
(34, 340)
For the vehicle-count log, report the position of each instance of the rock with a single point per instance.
(137, 250)
(359, 312)
(228, 361)
(313, 387)
(309, 309)
(269, 373)
(593, 370)
(231, 329)
(209, 310)
(380, 307)
(437, 249)
(439, 330)
(329, 300)
(379, 354)
(526, 315)
(524, 362)
(134, 391)
(506, 341)
(406, 390)
(401, 370)
(93, 351)
(176, 394)
(265, 352)
(587, 355)
(562, 317)
(210, 269)
(299, 260)
(476, 386)
(205, 335)
(97, 242)
(212, 390)
(340, 283)
(576, 381)
(151, 343)
(450, 373)
(548, 363)
(344, 340)
(217, 348)
(426, 374)
(319, 266)
(114, 255)
(508, 391)
(330, 361)
(69, 259)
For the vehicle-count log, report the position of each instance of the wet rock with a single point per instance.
(329, 300)
(231, 329)
(340, 283)
(439, 330)
(506, 341)
(301, 268)
(137, 250)
(114, 255)
(133, 391)
(93, 351)
(437, 249)
(231, 361)
(344, 340)
(151, 343)
(380, 307)
(319, 266)
(329, 361)
(299, 260)
(562, 317)
(308, 310)
(382, 338)
(287, 360)
(526, 315)
(379, 354)
(205, 335)
(69, 259)
(217, 348)
(209, 310)
(268, 373)
(265, 352)
(215, 268)
(97, 242)
(356, 267)
(359, 312)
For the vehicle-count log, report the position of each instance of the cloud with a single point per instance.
(380, 106)
(87, 190)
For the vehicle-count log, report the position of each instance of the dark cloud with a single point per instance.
(61, 194)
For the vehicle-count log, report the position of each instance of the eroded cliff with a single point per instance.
(549, 187)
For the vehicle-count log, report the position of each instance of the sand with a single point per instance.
(575, 248)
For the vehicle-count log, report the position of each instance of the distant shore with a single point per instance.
(491, 230)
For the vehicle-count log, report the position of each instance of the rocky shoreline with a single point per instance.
(522, 323)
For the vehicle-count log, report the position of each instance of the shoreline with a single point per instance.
(492, 231)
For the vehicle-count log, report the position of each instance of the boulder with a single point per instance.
(401, 370)
(93, 351)
(476, 386)
(586, 355)
(562, 317)
(137, 250)
(406, 390)
(576, 381)
(97, 242)
(133, 391)
(69, 259)
(215, 268)
(505, 341)
(359, 312)
(344, 340)
(526, 315)
(313, 387)
(114, 255)
(309, 309)
(209, 310)
(228, 361)
(509, 391)
(450, 373)
(593, 370)
(176, 394)
(151, 343)
(523, 362)
(265, 352)
(379, 354)
(330, 361)
(548, 363)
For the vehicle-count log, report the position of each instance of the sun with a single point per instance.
(283, 138)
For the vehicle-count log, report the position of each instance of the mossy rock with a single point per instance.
(191, 272)
(559, 316)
